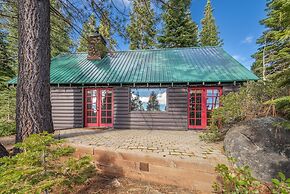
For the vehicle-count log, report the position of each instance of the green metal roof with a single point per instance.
(177, 65)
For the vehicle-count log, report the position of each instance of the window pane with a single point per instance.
(92, 113)
(198, 122)
(191, 121)
(198, 107)
(148, 99)
(192, 115)
(198, 115)
(209, 92)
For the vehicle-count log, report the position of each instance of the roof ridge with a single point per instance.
(144, 50)
(174, 48)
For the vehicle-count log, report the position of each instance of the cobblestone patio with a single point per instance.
(166, 144)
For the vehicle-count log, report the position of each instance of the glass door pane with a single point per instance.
(106, 107)
(91, 107)
(195, 107)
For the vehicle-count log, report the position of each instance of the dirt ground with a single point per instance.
(110, 185)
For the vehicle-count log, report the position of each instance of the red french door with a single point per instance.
(201, 102)
(98, 107)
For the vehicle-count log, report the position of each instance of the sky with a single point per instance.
(238, 23)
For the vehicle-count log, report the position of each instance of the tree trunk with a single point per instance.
(3, 151)
(33, 106)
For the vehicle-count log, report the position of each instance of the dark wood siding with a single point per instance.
(230, 88)
(174, 118)
(67, 107)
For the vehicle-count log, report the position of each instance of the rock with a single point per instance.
(3, 151)
(261, 145)
(115, 183)
(150, 190)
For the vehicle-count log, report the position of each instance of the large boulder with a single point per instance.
(261, 145)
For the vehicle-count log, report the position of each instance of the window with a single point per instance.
(148, 99)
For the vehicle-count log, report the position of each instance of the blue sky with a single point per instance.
(238, 22)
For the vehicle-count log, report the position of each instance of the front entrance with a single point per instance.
(99, 107)
(201, 102)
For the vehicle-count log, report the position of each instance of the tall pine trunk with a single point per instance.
(33, 106)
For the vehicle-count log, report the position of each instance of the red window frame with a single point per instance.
(100, 109)
(198, 114)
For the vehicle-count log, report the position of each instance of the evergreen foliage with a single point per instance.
(60, 31)
(234, 179)
(9, 26)
(43, 165)
(105, 30)
(6, 67)
(179, 30)
(136, 103)
(254, 99)
(153, 104)
(7, 110)
(209, 35)
(89, 28)
(275, 40)
(142, 29)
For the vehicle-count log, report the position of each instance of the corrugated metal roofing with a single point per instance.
(197, 64)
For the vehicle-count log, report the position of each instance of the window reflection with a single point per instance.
(148, 99)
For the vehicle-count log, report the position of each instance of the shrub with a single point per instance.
(7, 110)
(254, 99)
(282, 106)
(235, 180)
(281, 186)
(240, 180)
(42, 166)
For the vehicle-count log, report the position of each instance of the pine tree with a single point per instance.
(9, 25)
(33, 105)
(209, 35)
(60, 31)
(153, 104)
(275, 41)
(89, 28)
(6, 68)
(136, 103)
(179, 29)
(105, 30)
(142, 29)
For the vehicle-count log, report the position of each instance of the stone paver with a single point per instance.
(172, 144)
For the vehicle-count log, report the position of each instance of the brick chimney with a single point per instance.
(97, 47)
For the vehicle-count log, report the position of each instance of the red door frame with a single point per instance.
(99, 108)
(203, 106)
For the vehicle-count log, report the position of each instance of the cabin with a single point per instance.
(171, 89)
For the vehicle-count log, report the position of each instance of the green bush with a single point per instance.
(240, 180)
(282, 106)
(281, 185)
(43, 164)
(254, 99)
(7, 110)
(235, 180)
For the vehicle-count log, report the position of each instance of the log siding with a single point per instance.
(174, 118)
(67, 107)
